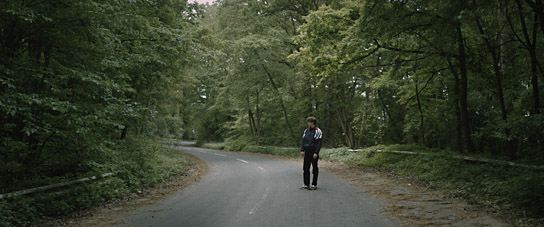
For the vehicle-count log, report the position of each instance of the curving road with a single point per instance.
(245, 190)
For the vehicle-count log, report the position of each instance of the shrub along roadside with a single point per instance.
(137, 163)
(511, 190)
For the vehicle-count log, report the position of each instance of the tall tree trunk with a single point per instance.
(458, 121)
(361, 127)
(250, 116)
(124, 132)
(538, 9)
(285, 115)
(258, 113)
(510, 150)
(346, 128)
(144, 114)
(309, 93)
(372, 98)
(531, 48)
(534, 65)
(421, 116)
(463, 82)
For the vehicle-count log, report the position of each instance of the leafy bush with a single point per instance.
(281, 151)
(137, 163)
(239, 143)
(167, 127)
(215, 146)
(480, 183)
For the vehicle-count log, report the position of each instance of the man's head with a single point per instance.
(311, 121)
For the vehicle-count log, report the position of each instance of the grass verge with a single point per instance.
(137, 163)
(512, 191)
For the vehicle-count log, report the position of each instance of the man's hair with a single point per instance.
(311, 119)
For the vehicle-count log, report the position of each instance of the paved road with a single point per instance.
(245, 190)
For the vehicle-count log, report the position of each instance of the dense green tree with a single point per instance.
(77, 76)
(457, 75)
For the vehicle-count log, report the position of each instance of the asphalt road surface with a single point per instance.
(245, 190)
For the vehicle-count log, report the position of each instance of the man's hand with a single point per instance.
(315, 156)
(302, 153)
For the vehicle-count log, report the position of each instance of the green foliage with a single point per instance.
(79, 80)
(248, 88)
(441, 75)
(485, 184)
(167, 127)
(281, 151)
(214, 146)
(148, 163)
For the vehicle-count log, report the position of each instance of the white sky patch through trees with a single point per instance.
(203, 1)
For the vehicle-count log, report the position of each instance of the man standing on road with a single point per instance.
(311, 144)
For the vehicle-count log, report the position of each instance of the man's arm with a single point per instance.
(302, 143)
(317, 145)
(317, 141)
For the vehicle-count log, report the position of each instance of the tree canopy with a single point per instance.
(77, 76)
(463, 75)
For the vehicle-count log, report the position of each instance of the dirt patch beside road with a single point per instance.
(106, 214)
(411, 204)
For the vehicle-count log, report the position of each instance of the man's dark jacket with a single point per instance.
(311, 140)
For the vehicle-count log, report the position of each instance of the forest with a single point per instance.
(460, 75)
(88, 85)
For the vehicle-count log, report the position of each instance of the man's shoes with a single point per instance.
(313, 187)
(304, 187)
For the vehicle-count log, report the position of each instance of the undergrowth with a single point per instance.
(137, 163)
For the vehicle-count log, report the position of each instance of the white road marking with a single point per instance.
(244, 161)
(261, 168)
(220, 154)
(203, 151)
(265, 194)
